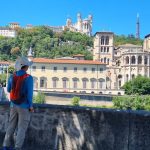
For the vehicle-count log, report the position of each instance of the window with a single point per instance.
(133, 59)
(101, 70)
(105, 60)
(64, 84)
(93, 70)
(127, 77)
(107, 40)
(145, 60)
(54, 84)
(65, 69)
(75, 69)
(84, 69)
(127, 60)
(43, 68)
(101, 49)
(93, 84)
(101, 83)
(84, 84)
(42, 83)
(107, 49)
(139, 59)
(33, 68)
(108, 61)
(102, 40)
(104, 49)
(55, 69)
(74, 84)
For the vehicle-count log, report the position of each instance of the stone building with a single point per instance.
(3, 66)
(124, 62)
(7, 32)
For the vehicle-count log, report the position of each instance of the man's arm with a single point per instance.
(9, 84)
(30, 90)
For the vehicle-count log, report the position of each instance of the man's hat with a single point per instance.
(22, 61)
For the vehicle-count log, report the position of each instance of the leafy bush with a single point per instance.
(39, 98)
(132, 102)
(139, 85)
(75, 101)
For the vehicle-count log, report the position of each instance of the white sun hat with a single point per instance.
(22, 61)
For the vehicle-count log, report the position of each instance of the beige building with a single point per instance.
(71, 75)
(124, 62)
(7, 32)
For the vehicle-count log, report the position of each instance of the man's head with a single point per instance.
(22, 63)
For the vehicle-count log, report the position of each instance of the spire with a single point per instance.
(30, 53)
(138, 27)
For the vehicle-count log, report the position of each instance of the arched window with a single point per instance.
(102, 83)
(119, 80)
(101, 59)
(93, 83)
(105, 60)
(104, 49)
(133, 60)
(127, 60)
(102, 40)
(107, 49)
(145, 60)
(43, 82)
(139, 59)
(65, 82)
(55, 82)
(107, 40)
(108, 61)
(75, 83)
(127, 77)
(133, 76)
(101, 49)
(84, 82)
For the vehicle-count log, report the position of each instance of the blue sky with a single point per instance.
(118, 16)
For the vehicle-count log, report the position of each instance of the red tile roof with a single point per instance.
(5, 62)
(66, 61)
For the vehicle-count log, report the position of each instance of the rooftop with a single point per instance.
(66, 61)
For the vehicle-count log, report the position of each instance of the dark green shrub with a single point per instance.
(132, 102)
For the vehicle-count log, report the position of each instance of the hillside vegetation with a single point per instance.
(122, 39)
(46, 43)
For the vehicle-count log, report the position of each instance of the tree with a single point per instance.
(39, 98)
(139, 85)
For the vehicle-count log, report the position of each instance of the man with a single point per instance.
(20, 87)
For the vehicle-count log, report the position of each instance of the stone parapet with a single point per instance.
(80, 128)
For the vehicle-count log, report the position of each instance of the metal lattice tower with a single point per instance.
(138, 27)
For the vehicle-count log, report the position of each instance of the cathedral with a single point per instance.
(124, 62)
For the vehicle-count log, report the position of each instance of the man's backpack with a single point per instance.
(17, 95)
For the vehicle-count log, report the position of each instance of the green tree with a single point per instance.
(39, 98)
(139, 85)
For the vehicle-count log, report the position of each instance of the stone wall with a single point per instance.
(78, 128)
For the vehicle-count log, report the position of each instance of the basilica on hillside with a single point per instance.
(83, 26)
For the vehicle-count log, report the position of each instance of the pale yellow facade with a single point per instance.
(65, 76)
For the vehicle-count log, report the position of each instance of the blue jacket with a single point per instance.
(28, 89)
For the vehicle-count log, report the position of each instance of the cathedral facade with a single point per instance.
(124, 62)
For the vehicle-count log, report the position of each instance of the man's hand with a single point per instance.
(31, 109)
